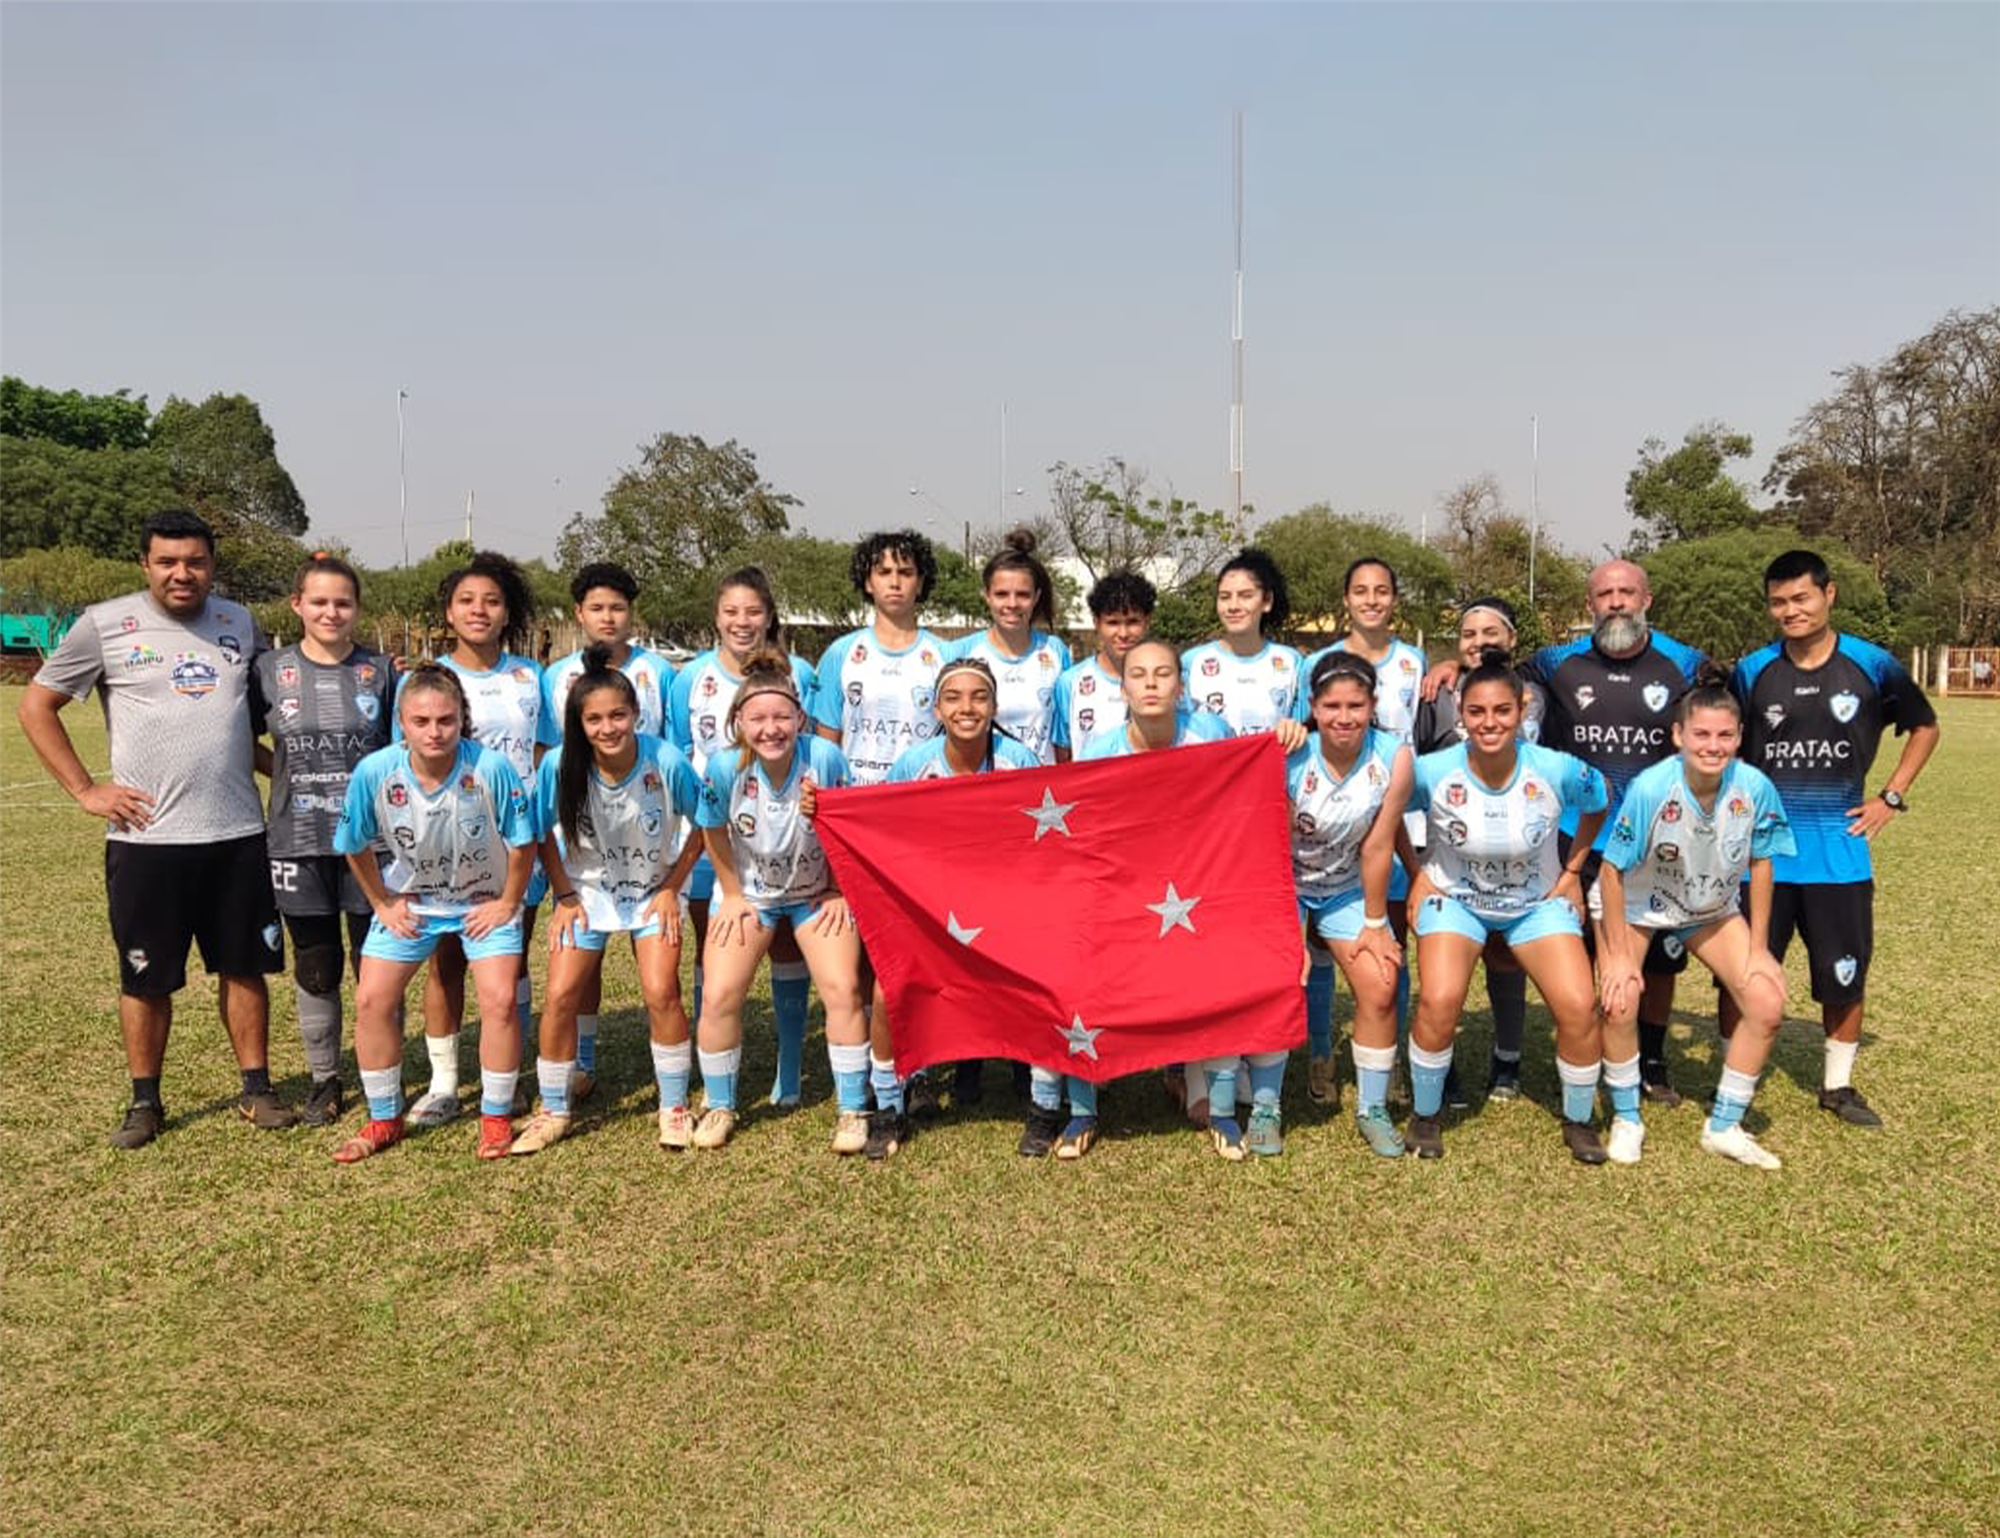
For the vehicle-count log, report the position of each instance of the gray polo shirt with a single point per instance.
(176, 708)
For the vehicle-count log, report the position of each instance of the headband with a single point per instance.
(1493, 606)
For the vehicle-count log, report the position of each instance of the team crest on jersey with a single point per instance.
(1736, 851)
(649, 823)
(1843, 705)
(1454, 794)
(136, 959)
(1773, 714)
(746, 824)
(1377, 775)
(1311, 782)
(708, 686)
(1844, 970)
(194, 676)
(1672, 945)
(1086, 718)
(1210, 667)
(1655, 696)
(1045, 661)
(1586, 696)
(1668, 853)
(1086, 685)
(270, 935)
(129, 623)
(288, 711)
(1305, 824)
(860, 652)
(1280, 663)
(854, 692)
(1534, 830)
(1454, 832)
(1280, 696)
(397, 796)
(365, 674)
(472, 827)
(927, 657)
(142, 656)
(920, 696)
(1407, 664)
(468, 781)
(369, 707)
(1045, 697)
(406, 838)
(1213, 704)
(652, 780)
(230, 647)
(523, 675)
(1531, 790)
(1671, 812)
(288, 676)
(1738, 805)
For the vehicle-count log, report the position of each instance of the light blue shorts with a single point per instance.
(1337, 917)
(585, 938)
(1440, 915)
(800, 914)
(431, 928)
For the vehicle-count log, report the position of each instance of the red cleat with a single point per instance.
(496, 1136)
(373, 1137)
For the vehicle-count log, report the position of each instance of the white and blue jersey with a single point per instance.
(778, 856)
(698, 704)
(1089, 701)
(1332, 813)
(878, 699)
(651, 674)
(1495, 851)
(1399, 679)
(627, 833)
(1249, 694)
(926, 761)
(504, 704)
(1024, 686)
(1814, 731)
(1198, 726)
(449, 845)
(1682, 862)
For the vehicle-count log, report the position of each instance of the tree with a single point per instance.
(224, 459)
(672, 519)
(1684, 493)
(1493, 550)
(63, 581)
(1111, 518)
(809, 578)
(87, 499)
(1314, 546)
(71, 418)
(1710, 592)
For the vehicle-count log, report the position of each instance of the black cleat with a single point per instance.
(888, 1131)
(1038, 1137)
(920, 1099)
(1503, 1080)
(1847, 1104)
(265, 1111)
(325, 1105)
(1583, 1143)
(1423, 1138)
(1654, 1084)
(1455, 1096)
(143, 1122)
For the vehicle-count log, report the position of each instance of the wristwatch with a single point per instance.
(1893, 799)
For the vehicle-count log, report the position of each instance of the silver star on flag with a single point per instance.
(1082, 1040)
(1173, 910)
(959, 932)
(1049, 815)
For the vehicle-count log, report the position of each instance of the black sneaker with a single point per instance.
(1654, 1085)
(1847, 1104)
(920, 1098)
(1423, 1138)
(888, 1131)
(967, 1086)
(1503, 1080)
(325, 1105)
(1038, 1137)
(1583, 1143)
(265, 1111)
(143, 1122)
(1454, 1092)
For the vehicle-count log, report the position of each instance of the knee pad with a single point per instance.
(317, 968)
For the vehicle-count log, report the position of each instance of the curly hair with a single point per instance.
(514, 592)
(908, 544)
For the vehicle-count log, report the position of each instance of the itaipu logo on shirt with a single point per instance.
(1843, 705)
(142, 656)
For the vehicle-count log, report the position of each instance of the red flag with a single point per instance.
(1096, 918)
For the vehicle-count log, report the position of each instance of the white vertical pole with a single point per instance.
(402, 477)
(468, 517)
(1534, 501)
(1236, 326)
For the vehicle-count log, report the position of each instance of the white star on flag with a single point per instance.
(1049, 815)
(959, 932)
(1173, 911)
(1082, 1041)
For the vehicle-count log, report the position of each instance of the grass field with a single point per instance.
(226, 1333)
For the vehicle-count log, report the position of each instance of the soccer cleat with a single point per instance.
(1227, 1137)
(373, 1137)
(1424, 1138)
(920, 1099)
(496, 1137)
(1378, 1132)
(1322, 1085)
(1264, 1136)
(582, 1082)
(1627, 1139)
(1077, 1137)
(1581, 1139)
(1503, 1080)
(1741, 1146)
(714, 1128)
(888, 1131)
(1847, 1104)
(544, 1128)
(967, 1086)
(1654, 1085)
(143, 1122)
(1455, 1097)
(432, 1110)
(850, 1132)
(676, 1127)
(1038, 1136)
(325, 1104)
(265, 1111)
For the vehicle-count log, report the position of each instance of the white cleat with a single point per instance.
(1627, 1139)
(1742, 1147)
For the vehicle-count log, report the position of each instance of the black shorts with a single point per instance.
(309, 885)
(164, 895)
(1836, 920)
(1665, 955)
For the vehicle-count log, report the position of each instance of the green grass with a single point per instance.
(226, 1333)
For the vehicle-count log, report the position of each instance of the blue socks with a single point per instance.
(1372, 1067)
(1427, 1071)
(1621, 1083)
(1045, 1087)
(496, 1091)
(1267, 1078)
(553, 1077)
(586, 1043)
(1319, 1004)
(382, 1088)
(850, 1075)
(1082, 1096)
(673, 1063)
(789, 980)
(1579, 1089)
(718, 1076)
(1733, 1094)
(888, 1088)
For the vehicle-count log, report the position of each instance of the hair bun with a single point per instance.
(1022, 540)
(597, 657)
(1495, 657)
(1710, 674)
(767, 659)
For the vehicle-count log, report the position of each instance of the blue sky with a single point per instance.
(845, 235)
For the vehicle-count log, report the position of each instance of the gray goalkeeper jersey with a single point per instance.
(322, 719)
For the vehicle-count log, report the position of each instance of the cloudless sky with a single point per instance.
(845, 235)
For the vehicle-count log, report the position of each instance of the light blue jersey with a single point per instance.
(778, 856)
(1025, 686)
(1399, 679)
(628, 833)
(1332, 813)
(1495, 851)
(449, 845)
(505, 706)
(1196, 727)
(1249, 694)
(926, 761)
(698, 704)
(878, 699)
(1683, 863)
(651, 674)
(1089, 702)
